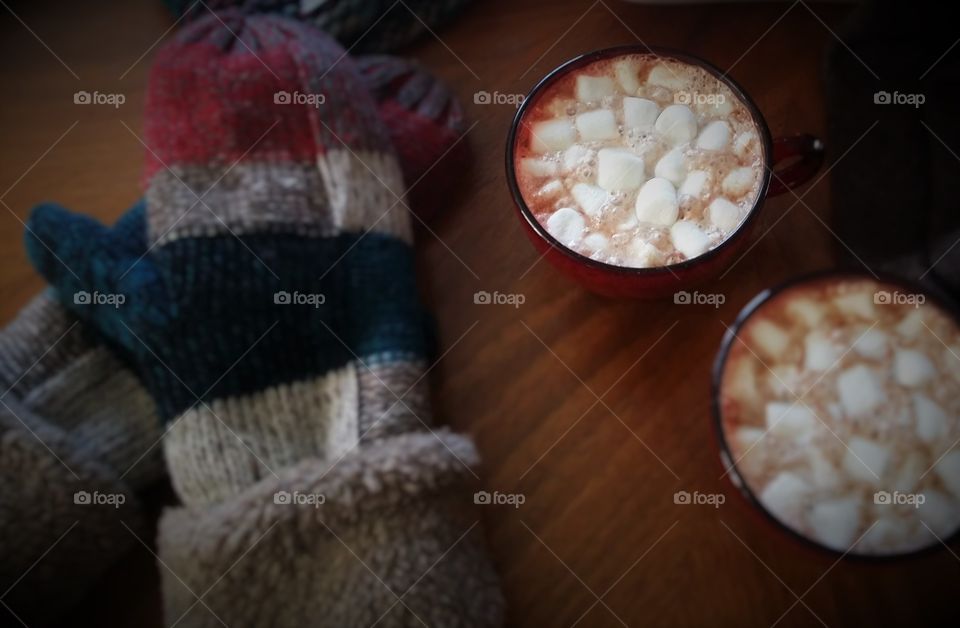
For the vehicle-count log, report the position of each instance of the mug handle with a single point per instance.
(809, 153)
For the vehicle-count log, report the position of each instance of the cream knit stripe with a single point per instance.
(381, 384)
(402, 506)
(279, 426)
(343, 191)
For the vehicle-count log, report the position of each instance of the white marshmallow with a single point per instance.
(748, 438)
(912, 324)
(719, 106)
(948, 469)
(744, 143)
(566, 225)
(538, 167)
(823, 473)
(665, 77)
(858, 303)
(689, 239)
(619, 169)
(835, 522)
(912, 368)
(714, 136)
(639, 113)
(866, 460)
(599, 124)
(627, 72)
(769, 338)
(645, 255)
(596, 241)
(886, 535)
(694, 184)
(676, 124)
(575, 156)
(939, 512)
(785, 495)
(671, 166)
(930, 417)
(806, 311)
(860, 390)
(819, 353)
(871, 344)
(593, 88)
(590, 198)
(738, 182)
(550, 190)
(723, 214)
(551, 135)
(657, 202)
(789, 420)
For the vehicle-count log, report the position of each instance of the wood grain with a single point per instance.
(597, 411)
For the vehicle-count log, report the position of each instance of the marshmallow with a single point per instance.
(665, 77)
(551, 135)
(823, 473)
(769, 338)
(789, 420)
(887, 534)
(748, 438)
(806, 311)
(912, 368)
(550, 190)
(538, 167)
(819, 353)
(835, 522)
(714, 136)
(596, 241)
(860, 390)
(741, 380)
(866, 460)
(912, 324)
(566, 225)
(627, 72)
(856, 304)
(575, 156)
(676, 124)
(939, 512)
(590, 198)
(871, 344)
(599, 124)
(784, 496)
(694, 183)
(720, 105)
(723, 214)
(645, 255)
(743, 143)
(619, 169)
(639, 113)
(930, 417)
(671, 167)
(657, 202)
(948, 469)
(689, 239)
(738, 182)
(593, 88)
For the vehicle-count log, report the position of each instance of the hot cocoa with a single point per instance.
(639, 160)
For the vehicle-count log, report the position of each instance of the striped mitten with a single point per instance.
(274, 319)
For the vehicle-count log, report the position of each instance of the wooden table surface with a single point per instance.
(596, 411)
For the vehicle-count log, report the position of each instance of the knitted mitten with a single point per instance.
(78, 437)
(359, 25)
(275, 322)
